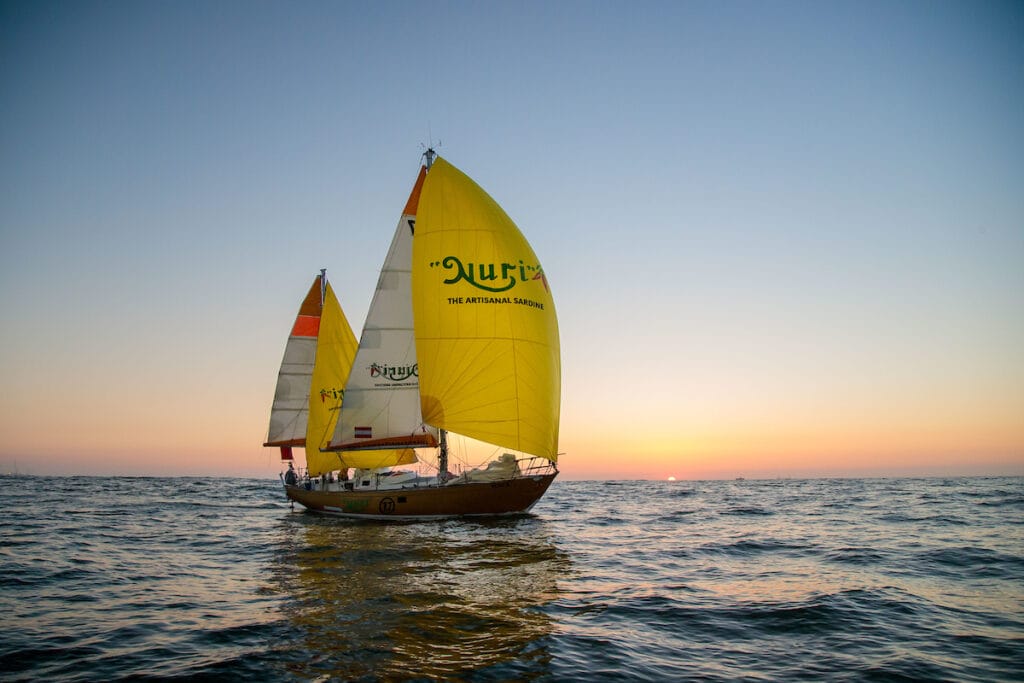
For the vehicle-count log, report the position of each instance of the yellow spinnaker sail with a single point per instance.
(486, 330)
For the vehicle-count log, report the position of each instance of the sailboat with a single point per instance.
(461, 338)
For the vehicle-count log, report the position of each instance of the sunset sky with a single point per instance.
(784, 239)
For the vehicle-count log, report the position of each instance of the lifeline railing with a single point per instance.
(533, 466)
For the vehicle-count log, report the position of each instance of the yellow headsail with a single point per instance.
(335, 349)
(486, 330)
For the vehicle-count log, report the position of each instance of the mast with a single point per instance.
(442, 458)
(323, 287)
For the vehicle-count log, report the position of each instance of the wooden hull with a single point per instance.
(508, 497)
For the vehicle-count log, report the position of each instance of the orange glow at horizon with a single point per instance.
(611, 459)
(188, 433)
(840, 451)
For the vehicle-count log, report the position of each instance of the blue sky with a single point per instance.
(779, 234)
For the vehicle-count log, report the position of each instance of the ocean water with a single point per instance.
(217, 579)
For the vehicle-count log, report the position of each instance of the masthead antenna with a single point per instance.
(429, 154)
(428, 157)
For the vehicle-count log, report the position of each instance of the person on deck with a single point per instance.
(289, 477)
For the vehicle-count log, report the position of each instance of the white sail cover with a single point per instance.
(382, 401)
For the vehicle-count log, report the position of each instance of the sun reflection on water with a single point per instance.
(418, 600)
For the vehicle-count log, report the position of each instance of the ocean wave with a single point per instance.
(747, 510)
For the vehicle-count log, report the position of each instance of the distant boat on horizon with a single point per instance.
(461, 336)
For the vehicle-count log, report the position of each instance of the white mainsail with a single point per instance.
(382, 401)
